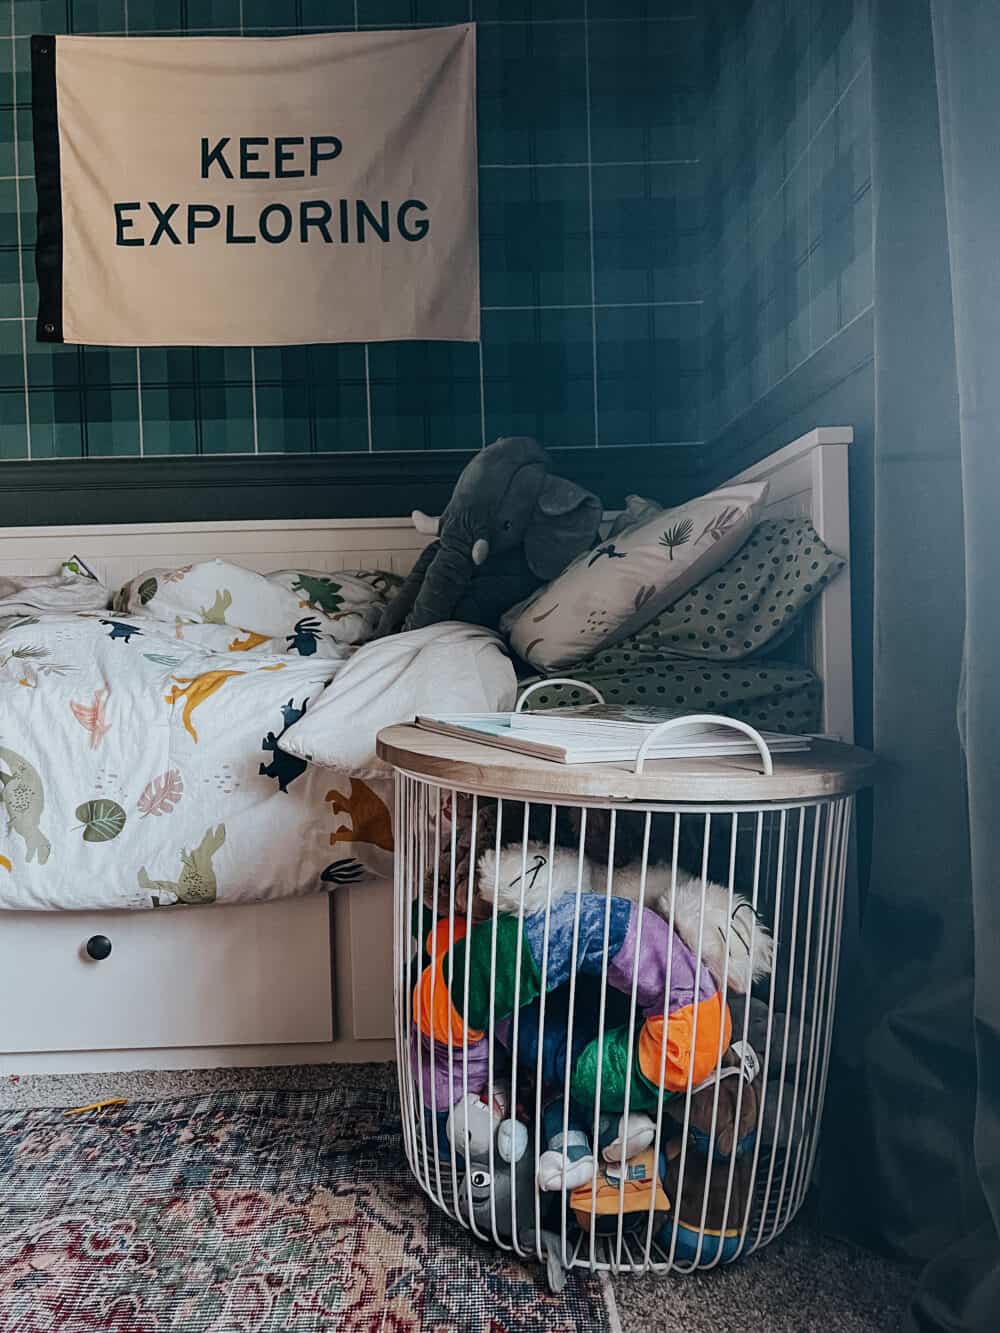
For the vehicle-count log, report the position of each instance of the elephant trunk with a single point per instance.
(446, 579)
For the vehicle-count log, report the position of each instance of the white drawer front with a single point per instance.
(371, 961)
(216, 976)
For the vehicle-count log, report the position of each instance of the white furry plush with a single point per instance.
(513, 896)
(726, 926)
(730, 924)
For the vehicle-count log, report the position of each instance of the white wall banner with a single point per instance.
(235, 191)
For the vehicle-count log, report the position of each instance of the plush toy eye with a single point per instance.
(480, 1179)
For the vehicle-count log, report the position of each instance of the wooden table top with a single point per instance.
(829, 768)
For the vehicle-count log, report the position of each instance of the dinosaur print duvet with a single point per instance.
(141, 763)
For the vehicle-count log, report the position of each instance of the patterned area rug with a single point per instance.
(252, 1212)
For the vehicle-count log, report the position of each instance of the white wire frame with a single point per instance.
(792, 871)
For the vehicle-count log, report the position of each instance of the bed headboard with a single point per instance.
(117, 552)
(807, 477)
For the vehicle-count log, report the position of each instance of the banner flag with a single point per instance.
(241, 191)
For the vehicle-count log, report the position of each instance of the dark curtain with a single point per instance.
(918, 1080)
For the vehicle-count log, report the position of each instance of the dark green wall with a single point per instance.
(590, 200)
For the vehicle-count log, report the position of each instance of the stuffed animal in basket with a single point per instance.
(623, 1172)
(598, 1140)
(733, 942)
(496, 1195)
(509, 527)
(693, 1198)
(711, 1200)
(487, 981)
(735, 947)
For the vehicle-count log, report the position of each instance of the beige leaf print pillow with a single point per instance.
(613, 590)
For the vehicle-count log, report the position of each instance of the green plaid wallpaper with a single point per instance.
(592, 191)
(788, 240)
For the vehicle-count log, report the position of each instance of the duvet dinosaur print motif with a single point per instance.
(24, 802)
(183, 743)
(196, 882)
(194, 690)
(367, 814)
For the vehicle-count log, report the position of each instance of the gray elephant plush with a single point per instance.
(509, 527)
(497, 1188)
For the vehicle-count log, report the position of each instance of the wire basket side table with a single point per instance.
(614, 993)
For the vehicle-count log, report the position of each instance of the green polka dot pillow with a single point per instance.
(778, 696)
(610, 592)
(746, 604)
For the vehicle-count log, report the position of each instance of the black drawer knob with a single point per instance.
(98, 947)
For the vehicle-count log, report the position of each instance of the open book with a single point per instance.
(604, 733)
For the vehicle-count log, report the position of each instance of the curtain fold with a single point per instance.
(964, 1282)
(923, 1064)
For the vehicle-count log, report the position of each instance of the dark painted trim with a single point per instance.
(384, 485)
(745, 441)
(200, 488)
(48, 187)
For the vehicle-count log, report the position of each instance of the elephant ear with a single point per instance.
(564, 524)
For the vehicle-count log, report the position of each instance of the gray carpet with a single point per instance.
(802, 1283)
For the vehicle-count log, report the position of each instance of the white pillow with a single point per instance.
(74, 588)
(446, 668)
(610, 592)
(295, 611)
(637, 510)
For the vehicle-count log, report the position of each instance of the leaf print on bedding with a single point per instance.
(345, 871)
(175, 575)
(101, 820)
(147, 590)
(163, 659)
(33, 664)
(161, 794)
(678, 535)
(719, 525)
(92, 717)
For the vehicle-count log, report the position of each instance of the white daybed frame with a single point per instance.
(307, 980)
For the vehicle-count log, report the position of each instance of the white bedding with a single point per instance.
(453, 666)
(140, 764)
